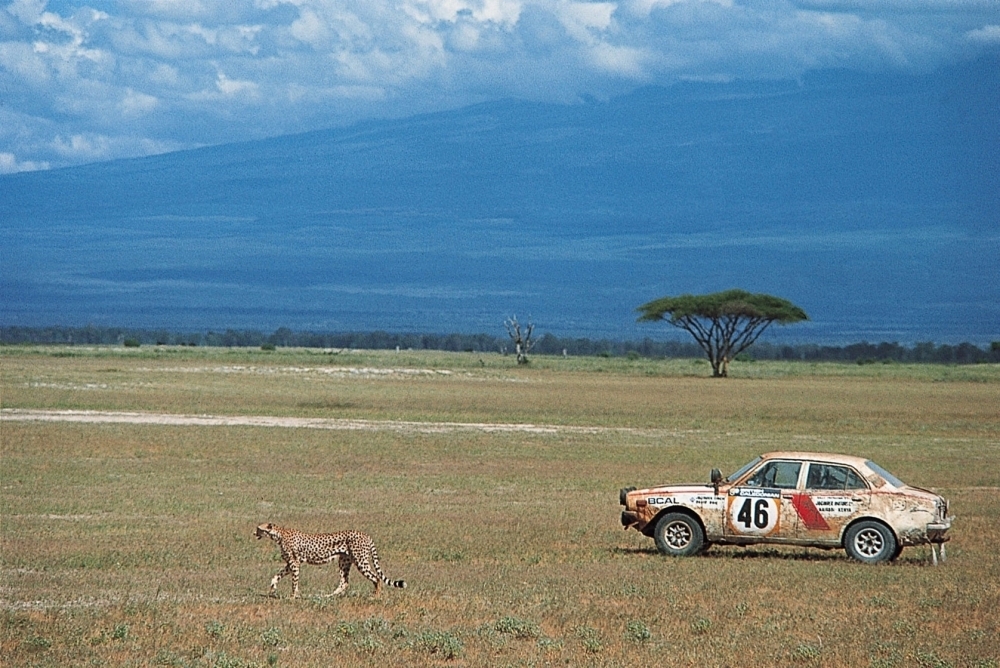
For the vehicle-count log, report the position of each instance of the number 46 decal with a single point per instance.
(753, 515)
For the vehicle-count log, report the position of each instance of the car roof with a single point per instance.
(826, 457)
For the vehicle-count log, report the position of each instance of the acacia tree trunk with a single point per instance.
(719, 362)
(722, 338)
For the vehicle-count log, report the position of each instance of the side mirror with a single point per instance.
(716, 476)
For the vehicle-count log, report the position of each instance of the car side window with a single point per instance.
(832, 477)
(782, 475)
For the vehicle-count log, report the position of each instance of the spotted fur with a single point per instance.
(347, 547)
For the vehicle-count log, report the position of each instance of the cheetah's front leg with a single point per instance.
(290, 567)
(344, 561)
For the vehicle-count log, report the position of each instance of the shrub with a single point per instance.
(637, 631)
(271, 637)
(441, 643)
(701, 626)
(120, 632)
(807, 652)
(215, 629)
(519, 628)
(590, 638)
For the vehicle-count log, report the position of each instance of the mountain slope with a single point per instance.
(870, 202)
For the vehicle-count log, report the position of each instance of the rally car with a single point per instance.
(793, 498)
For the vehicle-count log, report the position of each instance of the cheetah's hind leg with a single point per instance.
(295, 579)
(344, 561)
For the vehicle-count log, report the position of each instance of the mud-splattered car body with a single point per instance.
(793, 498)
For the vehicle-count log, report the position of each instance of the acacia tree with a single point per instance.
(521, 339)
(723, 323)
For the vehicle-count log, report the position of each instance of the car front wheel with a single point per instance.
(678, 535)
(870, 542)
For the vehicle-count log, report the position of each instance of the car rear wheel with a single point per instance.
(678, 535)
(870, 542)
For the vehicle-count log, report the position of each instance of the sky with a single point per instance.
(91, 81)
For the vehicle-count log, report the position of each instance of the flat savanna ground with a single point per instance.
(127, 524)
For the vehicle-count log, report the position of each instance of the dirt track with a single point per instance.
(96, 417)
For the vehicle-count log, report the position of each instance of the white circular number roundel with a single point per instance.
(753, 515)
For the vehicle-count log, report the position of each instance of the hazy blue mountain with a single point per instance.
(870, 201)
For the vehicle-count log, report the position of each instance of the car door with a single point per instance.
(831, 496)
(760, 507)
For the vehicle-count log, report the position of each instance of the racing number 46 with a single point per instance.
(754, 514)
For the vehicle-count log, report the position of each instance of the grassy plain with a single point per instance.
(132, 544)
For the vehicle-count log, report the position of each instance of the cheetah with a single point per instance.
(348, 547)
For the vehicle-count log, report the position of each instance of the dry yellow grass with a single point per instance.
(129, 544)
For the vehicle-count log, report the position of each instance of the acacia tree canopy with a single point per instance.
(723, 323)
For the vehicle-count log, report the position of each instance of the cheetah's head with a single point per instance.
(265, 530)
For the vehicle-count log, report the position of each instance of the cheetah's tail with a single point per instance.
(399, 584)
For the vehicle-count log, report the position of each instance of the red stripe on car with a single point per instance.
(808, 512)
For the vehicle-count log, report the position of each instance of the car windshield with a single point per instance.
(889, 478)
(743, 469)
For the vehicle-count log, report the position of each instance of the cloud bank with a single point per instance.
(89, 81)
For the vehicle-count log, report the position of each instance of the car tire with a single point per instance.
(870, 542)
(678, 535)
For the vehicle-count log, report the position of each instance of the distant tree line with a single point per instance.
(548, 344)
(871, 353)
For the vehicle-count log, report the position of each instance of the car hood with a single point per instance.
(918, 492)
(673, 489)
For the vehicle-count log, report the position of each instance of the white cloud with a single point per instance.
(309, 28)
(623, 60)
(135, 103)
(9, 164)
(82, 147)
(985, 35)
(644, 7)
(504, 12)
(145, 74)
(584, 20)
(232, 88)
(905, 6)
(27, 11)
(21, 61)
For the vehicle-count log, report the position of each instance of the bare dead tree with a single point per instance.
(522, 339)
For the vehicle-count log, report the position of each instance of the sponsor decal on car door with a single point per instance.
(832, 495)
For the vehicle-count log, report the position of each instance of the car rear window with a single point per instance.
(833, 477)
